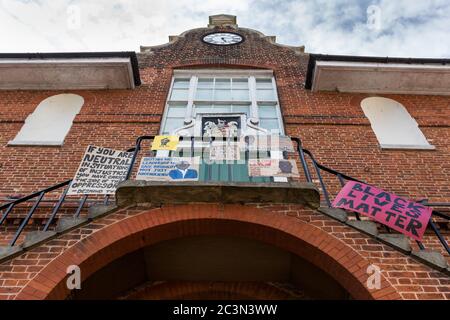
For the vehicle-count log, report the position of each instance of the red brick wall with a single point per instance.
(403, 277)
(332, 125)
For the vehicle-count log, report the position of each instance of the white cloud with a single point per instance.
(408, 28)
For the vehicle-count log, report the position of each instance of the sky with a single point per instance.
(402, 28)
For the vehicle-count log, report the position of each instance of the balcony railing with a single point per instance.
(227, 170)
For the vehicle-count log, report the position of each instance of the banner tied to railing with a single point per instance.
(100, 171)
(168, 169)
(165, 143)
(405, 216)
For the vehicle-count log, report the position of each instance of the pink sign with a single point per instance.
(397, 213)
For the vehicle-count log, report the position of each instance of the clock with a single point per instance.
(223, 38)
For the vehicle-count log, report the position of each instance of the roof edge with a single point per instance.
(77, 55)
(313, 57)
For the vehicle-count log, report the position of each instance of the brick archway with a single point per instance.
(91, 254)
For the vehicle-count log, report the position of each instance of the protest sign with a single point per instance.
(100, 171)
(272, 168)
(165, 143)
(222, 150)
(168, 169)
(405, 216)
(268, 143)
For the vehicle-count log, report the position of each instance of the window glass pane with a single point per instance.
(181, 83)
(264, 83)
(265, 95)
(179, 94)
(205, 83)
(240, 83)
(241, 109)
(240, 95)
(268, 112)
(223, 95)
(219, 108)
(269, 124)
(223, 83)
(203, 108)
(204, 94)
(176, 111)
(172, 124)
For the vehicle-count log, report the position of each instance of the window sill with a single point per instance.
(406, 147)
(13, 143)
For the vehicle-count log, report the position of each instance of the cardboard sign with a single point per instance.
(272, 168)
(268, 143)
(165, 143)
(402, 215)
(168, 169)
(219, 151)
(100, 171)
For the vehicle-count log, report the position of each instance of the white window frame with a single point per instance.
(251, 74)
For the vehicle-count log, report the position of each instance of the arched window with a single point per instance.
(50, 122)
(393, 125)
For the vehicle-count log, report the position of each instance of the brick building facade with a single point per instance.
(270, 250)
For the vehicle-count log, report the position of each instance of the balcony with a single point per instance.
(227, 182)
(223, 181)
(139, 191)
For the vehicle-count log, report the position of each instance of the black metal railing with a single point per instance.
(38, 198)
(303, 156)
(342, 178)
(196, 146)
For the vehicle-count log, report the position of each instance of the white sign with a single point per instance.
(222, 150)
(269, 143)
(168, 169)
(100, 171)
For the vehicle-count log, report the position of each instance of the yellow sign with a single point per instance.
(165, 143)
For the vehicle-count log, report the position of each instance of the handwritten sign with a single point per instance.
(221, 150)
(100, 171)
(165, 143)
(272, 168)
(268, 143)
(168, 169)
(402, 215)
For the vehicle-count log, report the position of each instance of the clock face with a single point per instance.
(223, 38)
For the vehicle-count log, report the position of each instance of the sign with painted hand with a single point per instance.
(405, 216)
(272, 168)
(165, 143)
(168, 169)
(100, 171)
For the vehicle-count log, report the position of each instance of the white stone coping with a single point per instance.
(35, 143)
(408, 146)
